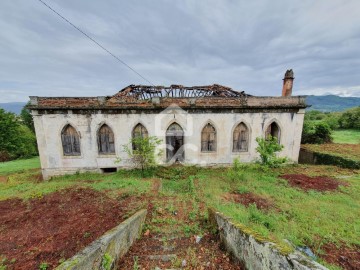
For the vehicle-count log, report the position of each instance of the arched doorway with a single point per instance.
(174, 143)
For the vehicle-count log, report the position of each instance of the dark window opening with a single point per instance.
(175, 143)
(109, 170)
(70, 140)
(208, 139)
(273, 130)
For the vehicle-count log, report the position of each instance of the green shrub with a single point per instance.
(267, 148)
(142, 152)
(350, 119)
(316, 133)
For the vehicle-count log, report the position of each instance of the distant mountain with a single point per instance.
(14, 107)
(332, 103)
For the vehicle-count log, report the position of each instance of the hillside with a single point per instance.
(332, 103)
(14, 107)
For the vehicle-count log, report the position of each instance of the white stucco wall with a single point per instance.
(53, 162)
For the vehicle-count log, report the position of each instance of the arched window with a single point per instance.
(70, 141)
(208, 139)
(175, 143)
(106, 142)
(241, 138)
(139, 131)
(274, 130)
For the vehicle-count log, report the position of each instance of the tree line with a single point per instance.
(319, 125)
(17, 135)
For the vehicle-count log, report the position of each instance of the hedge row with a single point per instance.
(327, 159)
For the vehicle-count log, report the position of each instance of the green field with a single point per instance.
(346, 136)
(19, 165)
(307, 218)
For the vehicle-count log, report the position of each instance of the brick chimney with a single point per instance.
(288, 83)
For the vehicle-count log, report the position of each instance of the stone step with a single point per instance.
(158, 257)
(161, 247)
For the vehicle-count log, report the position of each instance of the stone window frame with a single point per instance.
(268, 130)
(144, 133)
(70, 141)
(109, 140)
(235, 142)
(208, 145)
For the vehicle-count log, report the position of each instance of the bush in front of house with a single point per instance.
(268, 149)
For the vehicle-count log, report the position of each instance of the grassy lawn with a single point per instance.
(19, 165)
(298, 216)
(306, 218)
(26, 185)
(346, 136)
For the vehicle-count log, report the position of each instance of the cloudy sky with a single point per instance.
(246, 45)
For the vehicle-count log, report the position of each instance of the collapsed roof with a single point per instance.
(138, 97)
(177, 91)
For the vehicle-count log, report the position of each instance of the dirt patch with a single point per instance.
(346, 257)
(165, 244)
(206, 254)
(319, 183)
(3, 179)
(250, 198)
(54, 228)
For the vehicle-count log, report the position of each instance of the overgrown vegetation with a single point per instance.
(268, 149)
(142, 152)
(306, 218)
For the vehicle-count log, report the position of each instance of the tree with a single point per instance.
(350, 118)
(16, 139)
(27, 118)
(267, 148)
(142, 152)
(316, 133)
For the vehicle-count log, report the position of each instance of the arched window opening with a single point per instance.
(106, 141)
(175, 143)
(273, 130)
(70, 141)
(208, 139)
(241, 138)
(139, 131)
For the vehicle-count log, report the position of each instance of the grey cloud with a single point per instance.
(246, 45)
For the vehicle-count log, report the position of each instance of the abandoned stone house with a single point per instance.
(202, 125)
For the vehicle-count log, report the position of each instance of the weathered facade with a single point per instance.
(203, 125)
